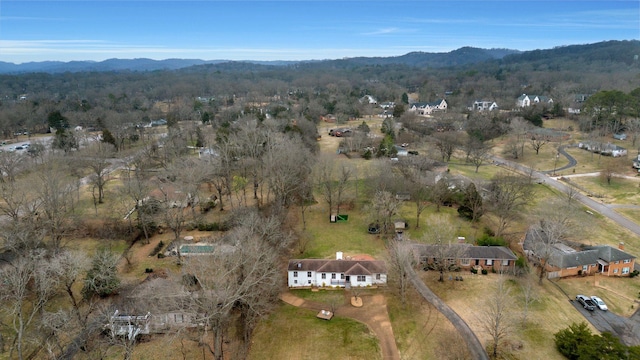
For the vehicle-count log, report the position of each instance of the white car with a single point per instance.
(599, 303)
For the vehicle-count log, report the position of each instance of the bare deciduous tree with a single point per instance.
(97, 159)
(239, 282)
(555, 222)
(537, 142)
(55, 191)
(478, 153)
(496, 317)
(27, 288)
(446, 143)
(383, 207)
(401, 256)
(445, 252)
(529, 296)
(508, 193)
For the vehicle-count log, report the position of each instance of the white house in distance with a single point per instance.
(484, 105)
(607, 149)
(525, 100)
(368, 99)
(427, 108)
(336, 273)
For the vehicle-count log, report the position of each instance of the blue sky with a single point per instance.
(299, 30)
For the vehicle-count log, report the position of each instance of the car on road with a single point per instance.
(599, 303)
(586, 302)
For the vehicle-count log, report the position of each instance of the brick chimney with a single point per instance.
(621, 246)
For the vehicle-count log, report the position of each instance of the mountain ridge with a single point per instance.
(466, 55)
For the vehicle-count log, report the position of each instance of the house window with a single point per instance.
(324, 276)
(625, 271)
(308, 273)
(615, 271)
(505, 262)
(464, 262)
(626, 261)
(178, 318)
(295, 281)
(617, 262)
(585, 267)
(309, 282)
(362, 278)
(342, 276)
(489, 262)
(377, 276)
(333, 276)
(295, 274)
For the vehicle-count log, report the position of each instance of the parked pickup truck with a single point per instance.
(586, 302)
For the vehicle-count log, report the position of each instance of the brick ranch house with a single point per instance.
(304, 273)
(567, 261)
(467, 256)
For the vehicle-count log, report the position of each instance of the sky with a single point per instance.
(41, 30)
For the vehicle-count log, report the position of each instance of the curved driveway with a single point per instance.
(473, 343)
(572, 161)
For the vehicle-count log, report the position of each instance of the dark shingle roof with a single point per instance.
(565, 257)
(470, 251)
(349, 267)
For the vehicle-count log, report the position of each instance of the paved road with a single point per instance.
(474, 345)
(597, 206)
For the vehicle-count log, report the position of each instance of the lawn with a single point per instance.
(294, 333)
(530, 340)
(620, 191)
(350, 237)
(618, 293)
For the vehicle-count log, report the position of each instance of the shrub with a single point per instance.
(207, 206)
(634, 273)
(157, 248)
(488, 240)
(209, 227)
(474, 270)
(160, 256)
(484, 272)
(148, 270)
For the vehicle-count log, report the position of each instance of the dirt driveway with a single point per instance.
(373, 313)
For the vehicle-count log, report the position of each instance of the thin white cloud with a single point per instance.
(385, 31)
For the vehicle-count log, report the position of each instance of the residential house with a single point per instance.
(467, 256)
(336, 272)
(607, 149)
(580, 98)
(528, 100)
(368, 99)
(564, 260)
(483, 105)
(388, 105)
(385, 114)
(330, 118)
(129, 326)
(426, 108)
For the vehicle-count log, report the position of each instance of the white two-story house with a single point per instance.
(336, 273)
(427, 108)
(528, 100)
